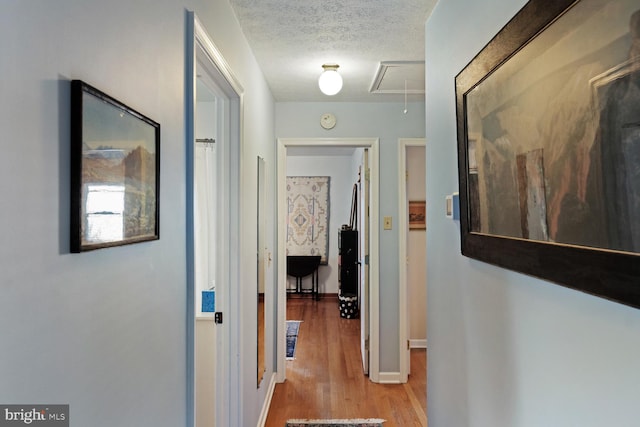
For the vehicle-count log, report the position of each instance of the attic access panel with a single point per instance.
(399, 77)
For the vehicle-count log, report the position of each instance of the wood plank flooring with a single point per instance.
(326, 379)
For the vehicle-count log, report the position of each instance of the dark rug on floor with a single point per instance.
(361, 422)
(293, 326)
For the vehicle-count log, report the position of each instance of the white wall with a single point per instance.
(506, 350)
(205, 118)
(387, 122)
(105, 331)
(342, 173)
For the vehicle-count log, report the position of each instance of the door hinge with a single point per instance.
(366, 260)
(408, 344)
(366, 344)
(367, 174)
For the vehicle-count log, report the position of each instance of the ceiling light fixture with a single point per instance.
(330, 82)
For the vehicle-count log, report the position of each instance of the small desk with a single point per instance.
(300, 266)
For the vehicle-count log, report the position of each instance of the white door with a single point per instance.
(364, 261)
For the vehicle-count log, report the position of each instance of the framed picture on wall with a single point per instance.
(548, 120)
(417, 215)
(115, 172)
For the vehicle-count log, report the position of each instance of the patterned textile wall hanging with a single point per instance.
(308, 216)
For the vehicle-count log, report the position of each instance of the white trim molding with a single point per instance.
(202, 52)
(391, 378)
(267, 401)
(418, 344)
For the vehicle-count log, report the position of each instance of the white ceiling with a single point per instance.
(291, 40)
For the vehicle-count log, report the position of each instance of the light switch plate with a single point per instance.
(388, 223)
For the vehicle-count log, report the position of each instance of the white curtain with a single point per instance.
(205, 219)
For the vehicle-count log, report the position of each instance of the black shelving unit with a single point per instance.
(348, 250)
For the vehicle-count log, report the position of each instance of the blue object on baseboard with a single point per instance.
(456, 206)
(208, 301)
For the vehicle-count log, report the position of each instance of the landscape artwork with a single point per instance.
(115, 163)
(548, 125)
(554, 134)
(417, 215)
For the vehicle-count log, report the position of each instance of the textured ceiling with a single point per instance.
(291, 40)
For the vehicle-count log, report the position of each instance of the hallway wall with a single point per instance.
(387, 122)
(105, 331)
(507, 350)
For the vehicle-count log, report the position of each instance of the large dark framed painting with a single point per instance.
(115, 172)
(548, 119)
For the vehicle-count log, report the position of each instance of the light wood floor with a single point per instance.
(326, 378)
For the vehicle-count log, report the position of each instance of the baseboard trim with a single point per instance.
(389, 378)
(267, 401)
(293, 295)
(418, 343)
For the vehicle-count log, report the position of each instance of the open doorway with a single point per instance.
(205, 247)
(213, 123)
(371, 144)
(412, 250)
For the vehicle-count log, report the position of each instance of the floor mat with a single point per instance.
(293, 327)
(371, 422)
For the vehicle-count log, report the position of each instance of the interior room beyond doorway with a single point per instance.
(284, 147)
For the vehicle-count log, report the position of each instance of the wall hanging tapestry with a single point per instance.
(360, 422)
(308, 216)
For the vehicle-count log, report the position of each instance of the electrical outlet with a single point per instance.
(388, 224)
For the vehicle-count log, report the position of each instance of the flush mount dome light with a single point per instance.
(330, 81)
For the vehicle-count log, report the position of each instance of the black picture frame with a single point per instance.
(486, 93)
(115, 172)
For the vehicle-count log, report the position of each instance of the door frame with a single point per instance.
(200, 47)
(403, 229)
(363, 257)
(374, 296)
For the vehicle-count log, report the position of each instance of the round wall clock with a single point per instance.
(327, 121)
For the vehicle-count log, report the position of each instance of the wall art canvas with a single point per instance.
(549, 145)
(417, 215)
(115, 172)
(308, 216)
